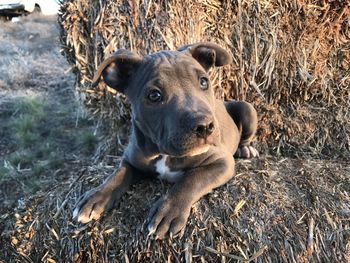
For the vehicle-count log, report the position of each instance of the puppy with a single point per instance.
(180, 132)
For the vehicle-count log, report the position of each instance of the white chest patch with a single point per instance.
(164, 171)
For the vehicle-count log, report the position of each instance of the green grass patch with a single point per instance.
(32, 106)
(88, 142)
(44, 150)
(44, 134)
(29, 113)
(55, 161)
(4, 173)
(38, 169)
(33, 185)
(22, 158)
(25, 127)
(85, 121)
(36, 150)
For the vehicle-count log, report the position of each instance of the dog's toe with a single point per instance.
(238, 153)
(253, 152)
(167, 217)
(177, 225)
(246, 152)
(91, 206)
(84, 218)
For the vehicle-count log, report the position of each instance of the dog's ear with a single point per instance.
(208, 54)
(117, 69)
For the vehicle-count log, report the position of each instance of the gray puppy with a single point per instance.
(180, 132)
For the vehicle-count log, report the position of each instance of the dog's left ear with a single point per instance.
(208, 54)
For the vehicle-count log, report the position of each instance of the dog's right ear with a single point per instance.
(208, 54)
(117, 69)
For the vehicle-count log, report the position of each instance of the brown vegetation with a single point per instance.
(291, 60)
(44, 134)
(275, 210)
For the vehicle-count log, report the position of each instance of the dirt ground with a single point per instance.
(44, 134)
(275, 210)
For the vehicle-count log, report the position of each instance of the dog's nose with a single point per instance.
(203, 130)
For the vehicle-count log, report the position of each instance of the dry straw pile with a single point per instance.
(275, 210)
(291, 60)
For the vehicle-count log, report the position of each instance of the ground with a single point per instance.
(44, 133)
(276, 209)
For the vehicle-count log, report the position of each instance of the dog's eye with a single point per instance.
(203, 82)
(155, 95)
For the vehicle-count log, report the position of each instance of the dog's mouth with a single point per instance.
(182, 144)
(199, 150)
(188, 151)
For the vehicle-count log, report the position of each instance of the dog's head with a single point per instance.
(171, 97)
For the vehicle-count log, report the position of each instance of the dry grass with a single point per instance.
(27, 50)
(291, 60)
(42, 131)
(275, 210)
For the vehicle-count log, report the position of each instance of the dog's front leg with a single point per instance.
(100, 199)
(169, 214)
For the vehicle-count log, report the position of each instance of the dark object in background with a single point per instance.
(15, 8)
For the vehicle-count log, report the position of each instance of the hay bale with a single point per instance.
(275, 210)
(291, 60)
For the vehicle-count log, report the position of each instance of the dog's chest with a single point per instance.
(164, 171)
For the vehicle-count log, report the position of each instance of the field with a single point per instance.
(276, 209)
(44, 133)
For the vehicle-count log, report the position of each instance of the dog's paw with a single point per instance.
(167, 216)
(92, 205)
(246, 152)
